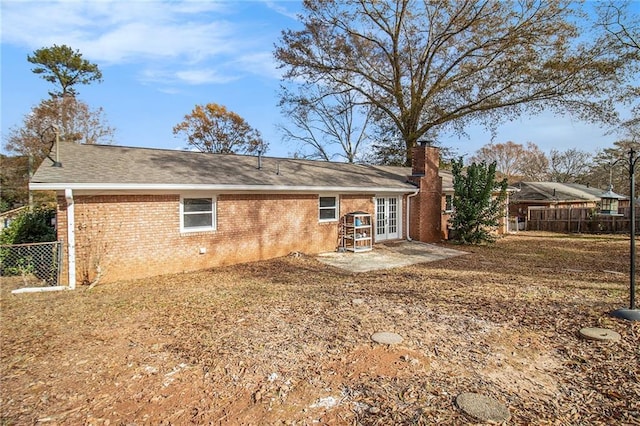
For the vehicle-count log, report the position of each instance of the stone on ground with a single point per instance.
(595, 333)
(386, 338)
(483, 408)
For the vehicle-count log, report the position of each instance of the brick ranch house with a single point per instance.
(556, 195)
(128, 213)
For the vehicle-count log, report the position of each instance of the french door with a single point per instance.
(387, 218)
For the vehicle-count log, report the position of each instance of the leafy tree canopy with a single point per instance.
(568, 166)
(610, 167)
(65, 68)
(435, 66)
(71, 118)
(64, 119)
(478, 202)
(515, 161)
(14, 181)
(213, 128)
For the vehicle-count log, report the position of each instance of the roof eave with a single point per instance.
(41, 186)
(548, 200)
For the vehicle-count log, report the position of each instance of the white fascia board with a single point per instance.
(213, 187)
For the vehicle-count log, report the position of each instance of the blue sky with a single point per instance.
(160, 59)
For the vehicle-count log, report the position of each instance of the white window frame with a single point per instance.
(214, 215)
(336, 208)
(446, 210)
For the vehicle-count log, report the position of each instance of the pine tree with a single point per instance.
(65, 68)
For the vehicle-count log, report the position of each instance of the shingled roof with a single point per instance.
(111, 167)
(555, 192)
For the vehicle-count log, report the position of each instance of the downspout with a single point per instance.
(71, 237)
(408, 211)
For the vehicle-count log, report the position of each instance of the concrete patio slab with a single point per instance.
(388, 255)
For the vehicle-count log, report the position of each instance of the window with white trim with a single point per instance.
(448, 203)
(328, 208)
(197, 214)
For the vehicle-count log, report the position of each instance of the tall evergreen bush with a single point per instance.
(478, 202)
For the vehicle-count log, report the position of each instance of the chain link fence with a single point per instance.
(38, 264)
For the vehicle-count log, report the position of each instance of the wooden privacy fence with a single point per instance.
(580, 219)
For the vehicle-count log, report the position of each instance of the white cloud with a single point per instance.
(192, 42)
(138, 41)
(260, 63)
(282, 10)
(119, 32)
(196, 76)
(203, 76)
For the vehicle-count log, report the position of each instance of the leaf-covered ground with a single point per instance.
(287, 341)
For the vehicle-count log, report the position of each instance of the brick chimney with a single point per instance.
(426, 207)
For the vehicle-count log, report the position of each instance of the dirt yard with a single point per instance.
(287, 341)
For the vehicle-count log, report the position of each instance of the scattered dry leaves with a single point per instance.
(284, 342)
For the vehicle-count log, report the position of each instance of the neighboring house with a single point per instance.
(127, 213)
(554, 195)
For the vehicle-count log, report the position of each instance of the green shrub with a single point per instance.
(478, 202)
(31, 226)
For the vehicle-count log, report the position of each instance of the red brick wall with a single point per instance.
(426, 211)
(418, 164)
(429, 202)
(134, 236)
(351, 203)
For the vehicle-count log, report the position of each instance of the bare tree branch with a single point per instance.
(429, 66)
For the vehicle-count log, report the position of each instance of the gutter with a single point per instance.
(211, 187)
